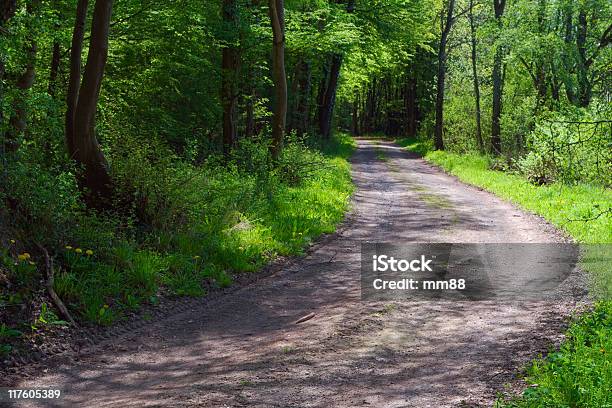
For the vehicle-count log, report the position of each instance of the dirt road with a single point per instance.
(246, 350)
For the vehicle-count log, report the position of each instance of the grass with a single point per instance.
(241, 223)
(227, 219)
(579, 373)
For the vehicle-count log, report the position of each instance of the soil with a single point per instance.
(302, 337)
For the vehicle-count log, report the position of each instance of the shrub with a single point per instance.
(569, 148)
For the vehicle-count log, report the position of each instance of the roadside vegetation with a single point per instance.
(215, 220)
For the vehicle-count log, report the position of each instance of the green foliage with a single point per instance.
(190, 226)
(569, 152)
(47, 318)
(579, 374)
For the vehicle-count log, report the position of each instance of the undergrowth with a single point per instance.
(190, 227)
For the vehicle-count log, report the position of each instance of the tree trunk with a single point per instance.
(55, 56)
(475, 79)
(230, 66)
(249, 131)
(567, 58)
(328, 97)
(86, 151)
(446, 23)
(497, 83)
(303, 108)
(54, 70)
(584, 85)
(410, 105)
(326, 108)
(355, 116)
(72, 93)
(277, 19)
(7, 10)
(300, 89)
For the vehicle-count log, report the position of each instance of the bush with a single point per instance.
(569, 148)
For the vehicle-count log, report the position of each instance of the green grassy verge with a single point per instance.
(211, 221)
(579, 374)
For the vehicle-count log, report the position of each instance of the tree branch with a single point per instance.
(50, 275)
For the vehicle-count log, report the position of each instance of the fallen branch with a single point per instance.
(49, 285)
(593, 218)
(305, 318)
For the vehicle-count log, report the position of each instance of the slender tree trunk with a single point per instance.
(446, 22)
(303, 108)
(230, 66)
(301, 85)
(328, 100)
(497, 83)
(74, 81)
(292, 97)
(567, 58)
(326, 108)
(410, 105)
(54, 70)
(96, 179)
(584, 85)
(355, 115)
(277, 19)
(475, 78)
(250, 116)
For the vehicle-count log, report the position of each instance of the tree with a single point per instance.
(56, 55)
(446, 23)
(329, 86)
(82, 104)
(475, 76)
(74, 80)
(498, 6)
(277, 18)
(230, 72)
(585, 61)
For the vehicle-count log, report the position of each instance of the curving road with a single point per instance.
(246, 350)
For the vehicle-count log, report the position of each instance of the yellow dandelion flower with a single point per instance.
(78, 251)
(68, 247)
(197, 257)
(89, 252)
(24, 257)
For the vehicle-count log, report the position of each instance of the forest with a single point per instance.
(159, 150)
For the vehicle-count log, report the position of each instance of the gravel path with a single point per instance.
(246, 350)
